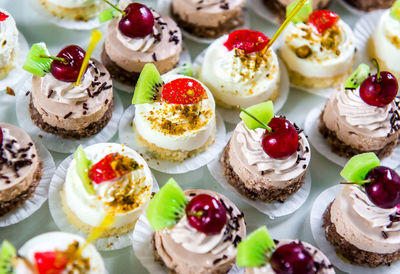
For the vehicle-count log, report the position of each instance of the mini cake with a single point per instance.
(208, 18)
(259, 253)
(52, 252)
(61, 107)
(196, 231)
(79, 10)
(8, 43)
(364, 116)
(174, 115)
(106, 179)
(239, 72)
(20, 167)
(266, 164)
(362, 222)
(370, 5)
(128, 48)
(318, 49)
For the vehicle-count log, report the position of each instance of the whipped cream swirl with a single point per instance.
(8, 39)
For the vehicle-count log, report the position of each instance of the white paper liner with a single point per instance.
(39, 196)
(127, 136)
(163, 6)
(141, 243)
(59, 217)
(57, 143)
(317, 211)
(16, 75)
(350, 8)
(232, 115)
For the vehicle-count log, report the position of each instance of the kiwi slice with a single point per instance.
(357, 77)
(255, 250)
(263, 111)
(167, 207)
(186, 69)
(108, 14)
(303, 14)
(148, 85)
(395, 10)
(34, 63)
(358, 167)
(7, 255)
(82, 168)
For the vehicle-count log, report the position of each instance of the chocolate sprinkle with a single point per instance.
(50, 93)
(27, 93)
(384, 235)
(68, 115)
(154, 57)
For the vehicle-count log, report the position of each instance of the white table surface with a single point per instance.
(324, 173)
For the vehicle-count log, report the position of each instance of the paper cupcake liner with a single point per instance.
(317, 211)
(141, 243)
(350, 8)
(16, 75)
(163, 6)
(39, 196)
(59, 217)
(322, 146)
(127, 136)
(57, 143)
(232, 115)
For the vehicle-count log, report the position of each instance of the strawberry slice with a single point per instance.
(3, 16)
(50, 262)
(247, 40)
(323, 19)
(183, 91)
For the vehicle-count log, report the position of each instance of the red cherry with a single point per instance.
(379, 92)
(384, 188)
(68, 71)
(292, 258)
(137, 22)
(323, 19)
(247, 40)
(183, 91)
(3, 16)
(282, 141)
(1, 136)
(206, 214)
(50, 262)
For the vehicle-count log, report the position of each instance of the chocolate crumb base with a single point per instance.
(209, 32)
(345, 150)
(8, 206)
(88, 131)
(267, 195)
(351, 252)
(370, 5)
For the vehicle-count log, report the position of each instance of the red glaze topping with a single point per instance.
(247, 40)
(323, 19)
(50, 262)
(3, 16)
(183, 91)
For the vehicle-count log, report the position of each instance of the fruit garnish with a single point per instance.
(380, 89)
(109, 13)
(246, 40)
(358, 167)
(35, 63)
(7, 255)
(68, 68)
(264, 112)
(183, 91)
(303, 13)
(148, 85)
(292, 258)
(395, 10)
(255, 250)
(82, 168)
(3, 16)
(1, 136)
(186, 69)
(357, 77)
(206, 214)
(50, 262)
(167, 206)
(323, 19)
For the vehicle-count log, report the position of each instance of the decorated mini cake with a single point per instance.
(52, 252)
(174, 115)
(208, 18)
(259, 253)
(137, 37)
(79, 10)
(106, 179)
(318, 48)
(8, 43)
(195, 231)
(62, 104)
(267, 157)
(20, 167)
(362, 223)
(239, 70)
(370, 5)
(363, 116)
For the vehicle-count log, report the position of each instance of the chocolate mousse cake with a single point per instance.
(20, 167)
(370, 5)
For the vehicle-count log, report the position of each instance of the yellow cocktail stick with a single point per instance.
(94, 39)
(292, 14)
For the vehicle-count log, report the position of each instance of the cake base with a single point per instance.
(83, 13)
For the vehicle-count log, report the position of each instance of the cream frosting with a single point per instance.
(238, 79)
(8, 40)
(74, 3)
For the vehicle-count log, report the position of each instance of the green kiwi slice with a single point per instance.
(358, 167)
(108, 14)
(34, 63)
(167, 206)
(255, 250)
(7, 254)
(148, 85)
(357, 77)
(395, 10)
(186, 69)
(82, 168)
(303, 13)
(264, 112)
